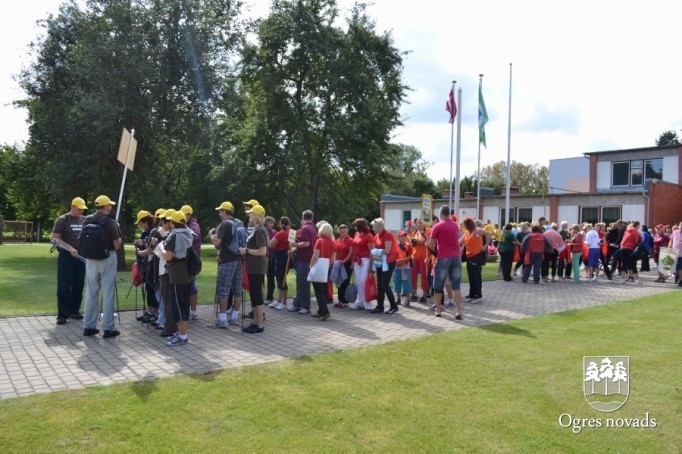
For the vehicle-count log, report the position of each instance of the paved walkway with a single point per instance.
(37, 356)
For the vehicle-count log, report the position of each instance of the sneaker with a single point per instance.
(177, 340)
(377, 310)
(111, 333)
(61, 320)
(325, 317)
(414, 297)
(357, 306)
(458, 317)
(274, 304)
(635, 281)
(253, 329)
(432, 307)
(269, 301)
(303, 311)
(76, 316)
(90, 331)
(368, 306)
(391, 311)
(340, 305)
(193, 316)
(280, 306)
(219, 324)
(406, 303)
(294, 309)
(422, 300)
(233, 321)
(174, 335)
(449, 304)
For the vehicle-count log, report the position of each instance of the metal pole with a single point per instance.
(506, 206)
(478, 171)
(459, 152)
(452, 140)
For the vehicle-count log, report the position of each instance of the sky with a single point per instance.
(585, 76)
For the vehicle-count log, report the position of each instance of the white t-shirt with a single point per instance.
(592, 239)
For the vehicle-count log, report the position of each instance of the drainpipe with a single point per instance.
(646, 211)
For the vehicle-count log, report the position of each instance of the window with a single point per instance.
(636, 173)
(512, 217)
(589, 214)
(610, 214)
(621, 173)
(653, 169)
(407, 216)
(525, 215)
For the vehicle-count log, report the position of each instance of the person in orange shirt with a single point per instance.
(418, 239)
(401, 276)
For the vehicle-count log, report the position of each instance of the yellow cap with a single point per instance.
(161, 212)
(79, 203)
(141, 215)
(226, 206)
(252, 202)
(178, 218)
(103, 201)
(257, 209)
(169, 213)
(186, 209)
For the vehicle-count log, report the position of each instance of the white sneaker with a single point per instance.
(449, 304)
(273, 304)
(357, 306)
(304, 311)
(368, 306)
(281, 307)
(294, 309)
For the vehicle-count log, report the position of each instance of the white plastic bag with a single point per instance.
(320, 271)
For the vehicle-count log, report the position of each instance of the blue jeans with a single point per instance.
(302, 285)
(101, 274)
(536, 265)
(445, 268)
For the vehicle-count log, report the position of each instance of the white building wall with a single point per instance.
(670, 169)
(603, 175)
(634, 213)
(467, 213)
(569, 175)
(568, 213)
(540, 211)
(492, 213)
(393, 218)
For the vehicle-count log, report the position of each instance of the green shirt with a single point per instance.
(506, 243)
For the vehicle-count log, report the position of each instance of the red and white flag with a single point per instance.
(450, 105)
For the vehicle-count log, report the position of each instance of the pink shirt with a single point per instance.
(446, 234)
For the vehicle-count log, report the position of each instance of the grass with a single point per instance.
(496, 388)
(29, 283)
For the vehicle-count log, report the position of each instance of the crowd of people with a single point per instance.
(370, 265)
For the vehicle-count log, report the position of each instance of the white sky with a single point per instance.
(587, 76)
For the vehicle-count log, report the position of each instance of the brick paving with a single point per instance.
(37, 356)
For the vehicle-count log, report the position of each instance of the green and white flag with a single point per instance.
(482, 117)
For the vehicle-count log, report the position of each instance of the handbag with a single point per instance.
(137, 275)
(319, 272)
(371, 291)
(517, 255)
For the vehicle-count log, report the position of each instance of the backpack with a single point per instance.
(93, 242)
(193, 262)
(239, 236)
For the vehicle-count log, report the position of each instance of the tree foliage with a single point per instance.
(407, 173)
(320, 104)
(668, 138)
(529, 178)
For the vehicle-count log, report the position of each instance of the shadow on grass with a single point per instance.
(145, 387)
(503, 328)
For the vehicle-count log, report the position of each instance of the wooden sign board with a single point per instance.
(123, 148)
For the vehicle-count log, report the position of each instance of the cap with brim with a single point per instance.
(256, 209)
(659, 226)
(169, 213)
(401, 232)
(186, 209)
(161, 212)
(226, 206)
(178, 217)
(103, 201)
(79, 203)
(252, 202)
(141, 215)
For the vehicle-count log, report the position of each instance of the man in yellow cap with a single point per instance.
(101, 272)
(70, 269)
(193, 225)
(144, 265)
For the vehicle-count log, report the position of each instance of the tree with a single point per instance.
(668, 138)
(407, 174)
(155, 66)
(320, 104)
(529, 178)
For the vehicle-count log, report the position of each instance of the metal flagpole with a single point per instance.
(506, 205)
(478, 171)
(459, 152)
(125, 174)
(452, 140)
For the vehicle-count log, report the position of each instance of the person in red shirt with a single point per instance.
(344, 252)
(628, 244)
(324, 248)
(402, 285)
(363, 242)
(279, 244)
(385, 241)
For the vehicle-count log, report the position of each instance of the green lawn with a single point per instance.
(497, 388)
(28, 281)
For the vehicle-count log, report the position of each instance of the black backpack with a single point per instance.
(193, 262)
(93, 242)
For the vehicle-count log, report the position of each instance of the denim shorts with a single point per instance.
(452, 268)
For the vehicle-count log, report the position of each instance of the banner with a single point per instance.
(426, 212)
(667, 259)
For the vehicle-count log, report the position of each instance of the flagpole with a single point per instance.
(478, 171)
(506, 205)
(452, 139)
(459, 152)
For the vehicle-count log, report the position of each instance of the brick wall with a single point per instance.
(666, 203)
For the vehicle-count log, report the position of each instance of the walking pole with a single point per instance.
(118, 307)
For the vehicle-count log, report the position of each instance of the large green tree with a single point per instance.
(156, 66)
(529, 178)
(668, 138)
(321, 102)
